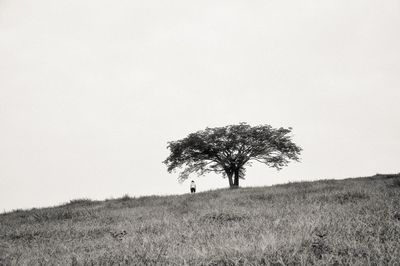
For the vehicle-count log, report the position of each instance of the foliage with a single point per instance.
(228, 150)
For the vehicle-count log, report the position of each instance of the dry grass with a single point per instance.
(347, 222)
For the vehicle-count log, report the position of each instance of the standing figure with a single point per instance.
(192, 187)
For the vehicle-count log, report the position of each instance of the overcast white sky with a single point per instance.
(91, 91)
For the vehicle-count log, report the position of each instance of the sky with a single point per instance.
(91, 91)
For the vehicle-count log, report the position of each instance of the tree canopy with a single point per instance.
(229, 150)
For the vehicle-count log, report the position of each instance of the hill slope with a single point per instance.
(353, 221)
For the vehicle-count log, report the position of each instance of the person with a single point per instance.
(192, 187)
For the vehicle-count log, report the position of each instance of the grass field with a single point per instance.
(330, 222)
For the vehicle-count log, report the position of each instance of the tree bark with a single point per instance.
(236, 179)
(230, 179)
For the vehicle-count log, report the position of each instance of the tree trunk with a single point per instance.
(230, 179)
(236, 179)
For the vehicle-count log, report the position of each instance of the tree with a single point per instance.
(228, 150)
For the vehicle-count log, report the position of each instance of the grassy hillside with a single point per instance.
(330, 222)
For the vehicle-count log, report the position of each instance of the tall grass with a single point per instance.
(347, 222)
